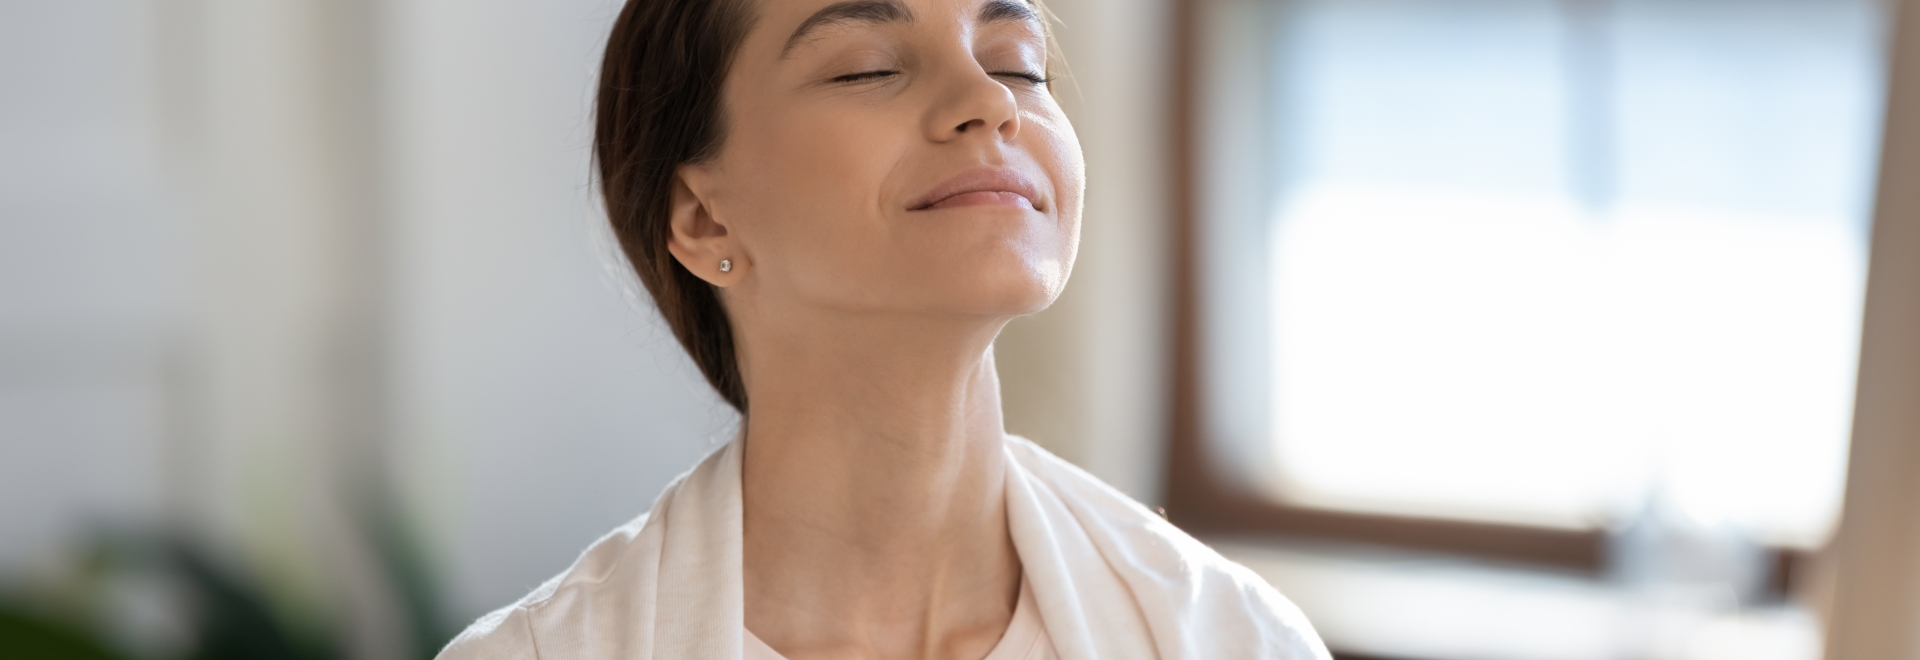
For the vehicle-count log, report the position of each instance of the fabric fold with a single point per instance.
(1111, 579)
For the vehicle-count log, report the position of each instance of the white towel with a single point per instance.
(1112, 579)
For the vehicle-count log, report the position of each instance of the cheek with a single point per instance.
(801, 177)
(806, 193)
(1056, 149)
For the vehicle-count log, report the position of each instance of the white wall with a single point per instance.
(249, 251)
(538, 405)
(90, 282)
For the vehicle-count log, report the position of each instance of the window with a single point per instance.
(1533, 264)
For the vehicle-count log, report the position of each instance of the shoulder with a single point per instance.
(1219, 605)
(629, 593)
(509, 632)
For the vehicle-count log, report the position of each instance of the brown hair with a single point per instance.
(659, 108)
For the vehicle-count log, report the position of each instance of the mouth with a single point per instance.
(984, 186)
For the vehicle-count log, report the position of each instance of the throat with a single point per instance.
(864, 543)
(873, 488)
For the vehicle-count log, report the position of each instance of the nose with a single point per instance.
(972, 103)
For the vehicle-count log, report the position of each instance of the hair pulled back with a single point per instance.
(658, 108)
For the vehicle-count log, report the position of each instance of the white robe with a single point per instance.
(1112, 579)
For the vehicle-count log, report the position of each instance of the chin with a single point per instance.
(993, 274)
(1013, 288)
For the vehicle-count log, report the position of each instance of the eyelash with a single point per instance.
(864, 76)
(1029, 78)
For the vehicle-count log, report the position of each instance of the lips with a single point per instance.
(984, 186)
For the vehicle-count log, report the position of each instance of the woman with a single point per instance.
(837, 206)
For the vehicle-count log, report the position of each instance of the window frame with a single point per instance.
(1207, 503)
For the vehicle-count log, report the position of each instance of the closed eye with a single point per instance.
(1027, 76)
(865, 76)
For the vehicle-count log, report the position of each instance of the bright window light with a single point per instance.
(1540, 261)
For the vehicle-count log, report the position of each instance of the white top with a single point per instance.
(1111, 580)
(1025, 639)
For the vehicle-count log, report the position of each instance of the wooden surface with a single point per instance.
(1876, 613)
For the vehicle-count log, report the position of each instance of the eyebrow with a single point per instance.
(892, 11)
(849, 11)
(1009, 10)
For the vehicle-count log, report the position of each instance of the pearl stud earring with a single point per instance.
(726, 265)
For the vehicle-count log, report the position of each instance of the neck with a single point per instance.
(873, 485)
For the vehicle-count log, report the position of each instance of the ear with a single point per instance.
(699, 240)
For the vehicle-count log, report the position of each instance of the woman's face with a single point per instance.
(888, 155)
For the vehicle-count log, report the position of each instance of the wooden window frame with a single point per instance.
(1205, 502)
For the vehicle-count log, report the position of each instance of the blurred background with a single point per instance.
(1484, 329)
